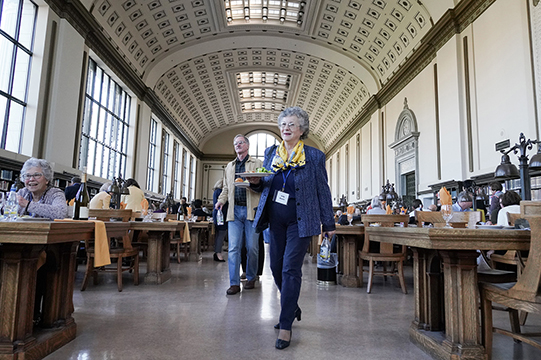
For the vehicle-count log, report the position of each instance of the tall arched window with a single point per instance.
(259, 142)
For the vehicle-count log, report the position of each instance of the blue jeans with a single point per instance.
(237, 228)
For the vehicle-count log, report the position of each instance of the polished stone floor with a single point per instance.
(190, 317)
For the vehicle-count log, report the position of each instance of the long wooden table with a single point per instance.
(21, 245)
(159, 249)
(446, 323)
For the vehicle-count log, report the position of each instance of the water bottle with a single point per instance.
(12, 205)
(219, 217)
(325, 249)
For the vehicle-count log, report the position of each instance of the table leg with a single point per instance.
(349, 278)
(461, 336)
(158, 263)
(195, 246)
(19, 338)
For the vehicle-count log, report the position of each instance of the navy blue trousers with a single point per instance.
(287, 252)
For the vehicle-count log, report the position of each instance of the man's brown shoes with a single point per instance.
(250, 284)
(234, 289)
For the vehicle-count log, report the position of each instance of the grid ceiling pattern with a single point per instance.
(202, 93)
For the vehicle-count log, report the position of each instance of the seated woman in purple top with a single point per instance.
(39, 198)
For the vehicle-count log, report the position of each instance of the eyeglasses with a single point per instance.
(36, 176)
(239, 143)
(290, 125)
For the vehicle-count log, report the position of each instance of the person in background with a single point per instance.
(221, 230)
(183, 206)
(296, 204)
(39, 198)
(240, 216)
(510, 203)
(72, 189)
(376, 208)
(337, 216)
(417, 205)
(133, 200)
(197, 205)
(101, 200)
(432, 207)
(494, 207)
(463, 202)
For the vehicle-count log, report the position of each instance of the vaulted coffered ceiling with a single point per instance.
(331, 56)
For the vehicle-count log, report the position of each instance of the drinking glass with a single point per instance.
(447, 214)
(350, 219)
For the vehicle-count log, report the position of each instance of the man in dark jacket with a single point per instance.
(71, 190)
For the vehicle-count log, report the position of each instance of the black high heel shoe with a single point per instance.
(216, 258)
(282, 344)
(298, 313)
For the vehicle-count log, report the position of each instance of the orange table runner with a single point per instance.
(101, 242)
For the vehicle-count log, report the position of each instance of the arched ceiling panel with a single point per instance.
(338, 54)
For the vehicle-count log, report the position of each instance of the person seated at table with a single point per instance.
(343, 219)
(39, 198)
(133, 200)
(432, 207)
(101, 200)
(463, 202)
(510, 203)
(337, 215)
(197, 211)
(376, 209)
(417, 205)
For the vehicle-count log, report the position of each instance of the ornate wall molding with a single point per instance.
(406, 146)
(453, 22)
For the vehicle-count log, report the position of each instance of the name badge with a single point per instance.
(281, 197)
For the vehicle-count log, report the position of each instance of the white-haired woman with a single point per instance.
(376, 207)
(39, 198)
(296, 204)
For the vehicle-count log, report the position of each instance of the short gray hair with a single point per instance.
(376, 203)
(105, 187)
(242, 136)
(304, 121)
(45, 166)
(464, 196)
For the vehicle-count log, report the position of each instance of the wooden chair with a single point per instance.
(386, 251)
(511, 257)
(524, 295)
(178, 244)
(435, 218)
(119, 253)
(108, 214)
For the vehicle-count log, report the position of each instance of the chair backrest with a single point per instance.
(530, 207)
(470, 217)
(107, 214)
(384, 221)
(511, 218)
(528, 286)
(434, 217)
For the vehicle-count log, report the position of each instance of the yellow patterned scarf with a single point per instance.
(282, 162)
